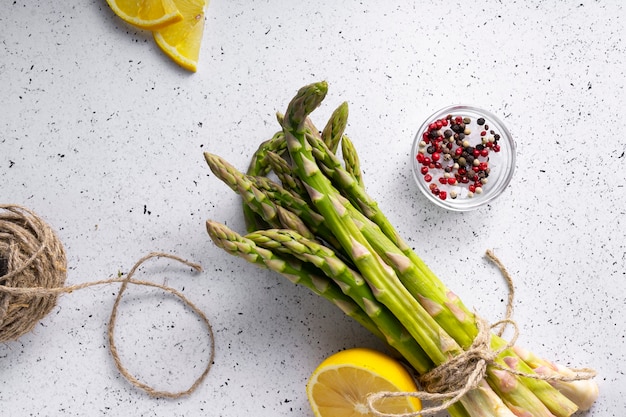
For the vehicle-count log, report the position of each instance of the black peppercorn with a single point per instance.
(458, 128)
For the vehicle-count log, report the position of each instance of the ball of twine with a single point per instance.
(33, 269)
(31, 256)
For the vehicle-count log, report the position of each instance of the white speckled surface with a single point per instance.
(103, 137)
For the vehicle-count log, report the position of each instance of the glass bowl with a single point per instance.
(463, 157)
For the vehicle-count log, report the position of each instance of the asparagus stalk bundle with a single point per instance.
(313, 222)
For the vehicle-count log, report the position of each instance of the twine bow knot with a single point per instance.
(447, 383)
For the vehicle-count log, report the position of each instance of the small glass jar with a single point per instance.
(463, 157)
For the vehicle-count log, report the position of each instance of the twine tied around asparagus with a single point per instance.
(447, 383)
(33, 269)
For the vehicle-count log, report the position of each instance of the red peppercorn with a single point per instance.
(438, 165)
(471, 187)
(483, 133)
(443, 180)
(484, 152)
(426, 160)
(436, 191)
(462, 171)
(428, 178)
(435, 156)
(424, 170)
(451, 181)
(439, 124)
(496, 148)
(476, 153)
(432, 126)
(483, 166)
(443, 195)
(458, 151)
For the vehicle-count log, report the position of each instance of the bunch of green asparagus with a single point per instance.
(310, 219)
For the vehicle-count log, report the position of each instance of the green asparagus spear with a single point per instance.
(352, 284)
(296, 271)
(387, 288)
(334, 129)
(351, 160)
(289, 220)
(583, 392)
(259, 165)
(292, 202)
(284, 173)
(252, 197)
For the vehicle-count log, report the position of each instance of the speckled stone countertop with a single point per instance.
(104, 137)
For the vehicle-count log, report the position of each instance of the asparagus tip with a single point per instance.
(305, 101)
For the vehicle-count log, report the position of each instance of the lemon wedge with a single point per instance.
(147, 14)
(181, 41)
(340, 385)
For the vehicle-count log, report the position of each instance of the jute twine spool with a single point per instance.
(33, 269)
(31, 256)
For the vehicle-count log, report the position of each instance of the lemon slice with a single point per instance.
(147, 14)
(340, 385)
(181, 41)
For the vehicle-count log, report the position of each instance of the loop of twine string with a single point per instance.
(449, 382)
(32, 275)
